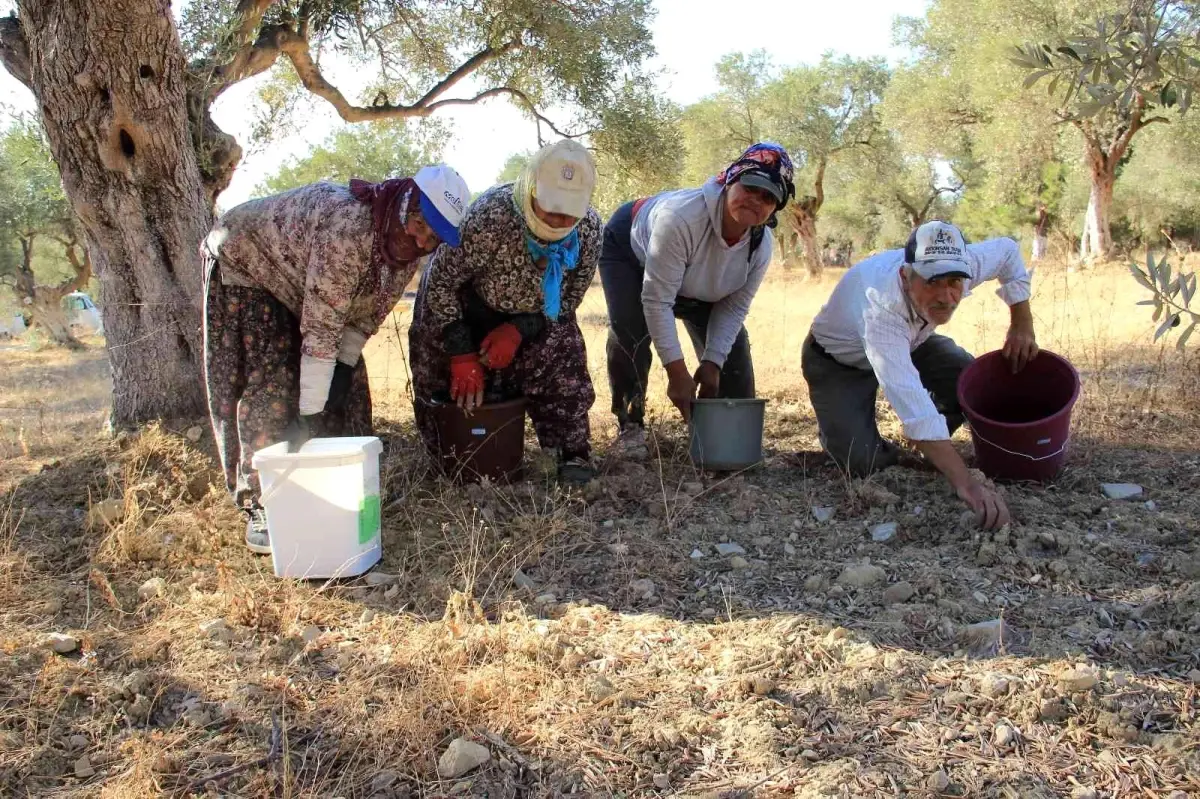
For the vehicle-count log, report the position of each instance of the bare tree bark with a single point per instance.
(1103, 151)
(804, 217)
(109, 78)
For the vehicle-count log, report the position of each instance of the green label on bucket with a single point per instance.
(368, 518)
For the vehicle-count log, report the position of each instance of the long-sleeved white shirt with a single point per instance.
(869, 323)
(677, 237)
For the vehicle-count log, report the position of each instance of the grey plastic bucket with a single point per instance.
(727, 434)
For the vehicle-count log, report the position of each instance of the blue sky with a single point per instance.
(690, 36)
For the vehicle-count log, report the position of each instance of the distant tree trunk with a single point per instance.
(806, 229)
(1104, 145)
(804, 213)
(1096, 241)
(785, 245)
(44, 303)
(109, 78)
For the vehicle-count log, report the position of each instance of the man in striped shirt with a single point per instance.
(877, 330)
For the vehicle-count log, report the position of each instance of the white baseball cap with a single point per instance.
(565, 179)
(937, 249)
(444, 196)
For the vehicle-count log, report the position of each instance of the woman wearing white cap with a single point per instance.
(295, 285)
(496, 316)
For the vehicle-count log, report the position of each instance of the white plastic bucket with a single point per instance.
(323, 506)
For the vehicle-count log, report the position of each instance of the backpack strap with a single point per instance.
(757, 234)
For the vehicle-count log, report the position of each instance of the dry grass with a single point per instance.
(575, 635)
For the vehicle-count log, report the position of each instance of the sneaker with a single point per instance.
(632, 444)
(576, 471)
(257, 539)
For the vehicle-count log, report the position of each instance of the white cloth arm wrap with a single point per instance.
(315, 376)
(351, 347)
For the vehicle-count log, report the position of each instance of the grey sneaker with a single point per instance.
(257, 539)
(632, 443)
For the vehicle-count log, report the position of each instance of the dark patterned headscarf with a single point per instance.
(391, 246)
(765, 158)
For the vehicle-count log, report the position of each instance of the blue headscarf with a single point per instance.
(561, 257)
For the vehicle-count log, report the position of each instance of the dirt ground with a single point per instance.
(662, 633)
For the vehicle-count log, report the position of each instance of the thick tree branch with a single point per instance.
(81, 266)
(466, 68)
(932, 199)
(1121, 143)
(296, 48)
(253, 54)
(14, 50)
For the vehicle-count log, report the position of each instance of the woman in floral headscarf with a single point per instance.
(697, 255)
(496, 316)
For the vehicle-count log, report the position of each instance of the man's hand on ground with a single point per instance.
(991, 513)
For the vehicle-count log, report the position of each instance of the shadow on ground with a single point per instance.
(662, 632)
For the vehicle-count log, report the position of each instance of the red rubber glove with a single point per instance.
(466, 381)
(500, 346)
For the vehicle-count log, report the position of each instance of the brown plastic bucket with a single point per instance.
(489, 442)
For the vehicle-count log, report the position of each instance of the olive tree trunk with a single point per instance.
(109, 79)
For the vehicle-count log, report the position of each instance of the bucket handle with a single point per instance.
(278, 483)
(1035, 459)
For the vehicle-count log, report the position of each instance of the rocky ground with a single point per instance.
(784, 632)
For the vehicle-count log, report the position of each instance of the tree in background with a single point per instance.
(128, 123)
(820, 113)
(513, 166)
(34, 213)
(1159, 189)
(1114, 76)
(958, 103)
(374, 151)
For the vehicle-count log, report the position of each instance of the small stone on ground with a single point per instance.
(1121, 490)
(461, 757)
(61, 643)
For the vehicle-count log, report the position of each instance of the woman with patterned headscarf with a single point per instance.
(496, 316)
(697, 255)
(295, 284)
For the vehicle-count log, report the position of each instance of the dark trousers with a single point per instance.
(252, 375)
(628, 349)
(843, 399)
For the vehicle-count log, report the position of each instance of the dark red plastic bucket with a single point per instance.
(489, 442)
(1020, 423)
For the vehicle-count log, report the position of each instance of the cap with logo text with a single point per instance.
(565, 179)
(444, 196)
(937, 249)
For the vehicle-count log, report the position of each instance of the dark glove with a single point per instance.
(299, 431)
(339, 388)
